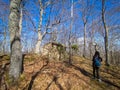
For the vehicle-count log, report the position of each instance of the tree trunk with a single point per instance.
(20, 22)
(106, 45)
(4, 42)
(71, 25)
(20, 30)
(15, 40)
(90, 49)
(39, 40)
(84, 49)
(106, 33)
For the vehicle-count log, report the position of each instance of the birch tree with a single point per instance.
(39, 40)
(40, 34)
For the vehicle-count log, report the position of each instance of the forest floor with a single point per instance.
(41, 74)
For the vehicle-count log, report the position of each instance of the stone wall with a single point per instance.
(51, 50)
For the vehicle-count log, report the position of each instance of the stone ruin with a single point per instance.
(54, 51)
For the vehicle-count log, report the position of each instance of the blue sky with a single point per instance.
(61, 10)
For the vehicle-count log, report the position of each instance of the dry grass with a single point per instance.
(41, 74)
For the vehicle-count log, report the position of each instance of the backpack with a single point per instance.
(97, 62)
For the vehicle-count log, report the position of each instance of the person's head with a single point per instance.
(97, 54)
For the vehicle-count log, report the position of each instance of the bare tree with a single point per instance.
(15, 40)
(40, 34)
(85, 10)
(70, 50)
(106, 33)
(37, 47)
(5, 36)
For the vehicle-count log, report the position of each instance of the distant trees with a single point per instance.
(111, 28)
(15, 40)
(91, 22)
(70, 34)
(86, 8)
(114, 32)
(5, 37)
(4, 43)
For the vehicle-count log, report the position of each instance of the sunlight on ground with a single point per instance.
(39, 74)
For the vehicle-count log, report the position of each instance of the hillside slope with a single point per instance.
(40, 74)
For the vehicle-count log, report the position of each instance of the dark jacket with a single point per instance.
(93, 64)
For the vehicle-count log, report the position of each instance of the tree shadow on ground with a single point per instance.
(110, 83)
(55, 79)
(86, 73)
(35, 75)
(113, 73)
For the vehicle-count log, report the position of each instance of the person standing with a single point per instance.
(96, 65)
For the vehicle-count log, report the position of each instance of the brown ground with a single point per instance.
(39, 74)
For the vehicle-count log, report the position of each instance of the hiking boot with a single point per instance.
(99, 80)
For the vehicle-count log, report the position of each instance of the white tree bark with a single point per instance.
(37, 47)
(40, 36)
(15, 40)
(20, 23)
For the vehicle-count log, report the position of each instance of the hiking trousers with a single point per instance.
(96, 72)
